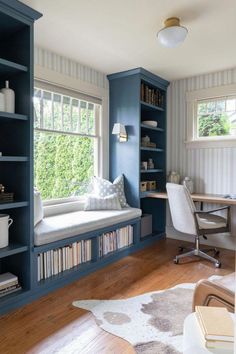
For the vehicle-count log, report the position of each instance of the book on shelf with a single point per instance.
(58, 260)
(216, 325)
(8, 284)
(115, 240)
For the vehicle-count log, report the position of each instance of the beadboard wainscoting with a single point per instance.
(58, 70)
(212, 169)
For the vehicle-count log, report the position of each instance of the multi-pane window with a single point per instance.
(66, 140)
(216, 117)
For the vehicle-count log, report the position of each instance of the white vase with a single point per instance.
(9, 98)
(2, 102)
(188, 183)
(5, 223)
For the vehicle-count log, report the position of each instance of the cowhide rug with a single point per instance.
(152, 322)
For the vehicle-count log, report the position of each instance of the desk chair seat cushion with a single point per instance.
(211, 221)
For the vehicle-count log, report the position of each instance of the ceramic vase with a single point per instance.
(9, 98)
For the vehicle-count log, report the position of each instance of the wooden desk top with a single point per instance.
(206, 198)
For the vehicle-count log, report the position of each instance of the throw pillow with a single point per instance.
(38, 207)
(111, 202)
(103, 188)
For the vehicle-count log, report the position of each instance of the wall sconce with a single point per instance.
(120, 131)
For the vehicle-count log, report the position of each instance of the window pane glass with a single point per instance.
(47, 110)
(64, 164)
(230, 104)
(57, 112)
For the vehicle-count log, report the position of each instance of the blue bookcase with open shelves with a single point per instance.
(137, 96)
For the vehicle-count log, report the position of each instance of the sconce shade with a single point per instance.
(120, 131)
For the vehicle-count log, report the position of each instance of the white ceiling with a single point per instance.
(116, 35)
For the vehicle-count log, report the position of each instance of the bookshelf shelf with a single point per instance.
(9, 67)
(8, 116)
(157, 129)
(143, 148)
(155, 170)
(13, 248)
(13, 205)
(13, 158)
(146, 106)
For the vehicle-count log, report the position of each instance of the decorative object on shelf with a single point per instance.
(144, 165)
(5, 223)
(5, 197)
(172, 34)
(9, 97)
(150, 164)
(0, 154)
(2, 102)
(174, 177)
(150, 123)
(151, 185)
(145, 139)
(188, 183)
(120, 131)
(8, 284)
(143, 186)
(151, 95)
(146, 142)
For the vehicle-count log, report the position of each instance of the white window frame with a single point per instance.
(192, 98)
(42, 85)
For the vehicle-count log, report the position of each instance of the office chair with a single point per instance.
(188, 220)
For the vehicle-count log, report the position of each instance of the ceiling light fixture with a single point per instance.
(172, 34)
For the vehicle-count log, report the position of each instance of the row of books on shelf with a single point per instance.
(152, 96)
(113, 241)
(55, 261)
(9, 283)
(217, 327)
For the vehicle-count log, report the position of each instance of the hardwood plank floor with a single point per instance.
(52, 323)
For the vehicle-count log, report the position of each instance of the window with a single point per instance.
(211, 117)
(66, 141)
(216, 117)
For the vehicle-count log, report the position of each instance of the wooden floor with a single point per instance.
(52, 323)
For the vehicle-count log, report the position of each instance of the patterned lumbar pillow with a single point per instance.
(111, 202)
(103, 188)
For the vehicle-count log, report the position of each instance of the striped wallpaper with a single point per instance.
(68, 67)
(212, 169)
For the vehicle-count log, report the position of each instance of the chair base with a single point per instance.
(199, 253)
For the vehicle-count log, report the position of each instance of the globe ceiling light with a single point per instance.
(172, 34)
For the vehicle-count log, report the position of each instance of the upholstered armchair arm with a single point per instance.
(209, 293)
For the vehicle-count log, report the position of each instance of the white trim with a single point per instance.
(191, 98)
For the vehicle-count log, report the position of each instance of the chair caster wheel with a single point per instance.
(218, 265)
(181, 249)
(176, 261)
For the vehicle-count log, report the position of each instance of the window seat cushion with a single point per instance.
(59, 227)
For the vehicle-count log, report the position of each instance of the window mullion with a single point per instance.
(62, 115)
(41, 109)
(53, 125)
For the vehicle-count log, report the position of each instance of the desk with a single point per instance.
(206, 198)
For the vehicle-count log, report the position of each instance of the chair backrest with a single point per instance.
(181, 208)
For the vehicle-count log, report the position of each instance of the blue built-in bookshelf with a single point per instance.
(137, 96)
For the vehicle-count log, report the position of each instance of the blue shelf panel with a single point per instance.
(6, 116)
(145, 194)
(13, 248)
(13, 158)
(151, 149)
(151, 106)
(8, 67)
(13, 205)
(151, 128)
(151, 171)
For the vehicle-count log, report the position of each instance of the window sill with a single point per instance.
(207, 144)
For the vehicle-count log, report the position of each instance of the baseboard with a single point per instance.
(222, 240)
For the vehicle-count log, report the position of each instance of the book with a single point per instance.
(7, 279)
(10, 290)
(216, 323)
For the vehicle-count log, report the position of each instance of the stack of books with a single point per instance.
(58, 260)
(113, 241)
(8, 284)
(217, 327)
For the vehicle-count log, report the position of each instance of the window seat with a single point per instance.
(61, 226)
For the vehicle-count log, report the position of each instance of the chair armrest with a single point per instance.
(211, 211)
(208, 293)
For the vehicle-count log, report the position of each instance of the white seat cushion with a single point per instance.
(59, 227)
(211, 221)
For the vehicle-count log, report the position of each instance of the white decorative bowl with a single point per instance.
(151, 123)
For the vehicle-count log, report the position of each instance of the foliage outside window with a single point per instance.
(216, 117)
(65, 144)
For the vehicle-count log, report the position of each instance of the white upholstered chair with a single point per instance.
(188, 220)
